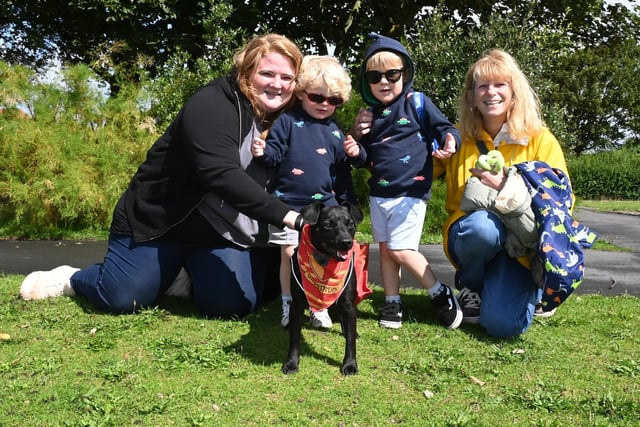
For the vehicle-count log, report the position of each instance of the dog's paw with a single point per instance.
(349, 368)
(290, 367)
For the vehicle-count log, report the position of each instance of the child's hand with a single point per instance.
(449, 148)
(257, 147)
(362, 124)
(351, 147)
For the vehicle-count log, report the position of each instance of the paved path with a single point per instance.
(607, 273)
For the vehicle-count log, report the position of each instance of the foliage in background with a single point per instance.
(608, 175)
(580, 54)
(63, 168)
(121, 39)
(590, 96)
(184, 72)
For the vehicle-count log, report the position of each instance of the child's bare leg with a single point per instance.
(286, 252)
(389, 271)
(416, 264)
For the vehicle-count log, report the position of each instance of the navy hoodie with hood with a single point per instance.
(398, 147)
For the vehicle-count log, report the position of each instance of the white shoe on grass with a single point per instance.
(47, 284)
(321, 319)
(284, 319)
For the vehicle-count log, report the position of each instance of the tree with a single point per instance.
(144, 34)
(119, 38)
(180, 42)
(444, 50)
(598, 91)
(587, 78)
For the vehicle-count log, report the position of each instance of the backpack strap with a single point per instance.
(418, 99)
(481, 147)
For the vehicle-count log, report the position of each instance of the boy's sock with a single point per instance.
(286, 298)
(392, 298)
(435, 289)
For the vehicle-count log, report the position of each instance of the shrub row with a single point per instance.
(61, 178)
(607, 175)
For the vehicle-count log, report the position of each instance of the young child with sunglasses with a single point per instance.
(400, 147)
(305, 145)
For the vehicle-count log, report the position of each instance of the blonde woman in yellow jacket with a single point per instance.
(498, 110)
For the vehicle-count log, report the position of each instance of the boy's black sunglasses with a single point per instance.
(336, 101)
(392, 75)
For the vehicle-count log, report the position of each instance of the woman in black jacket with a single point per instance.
(198, 201)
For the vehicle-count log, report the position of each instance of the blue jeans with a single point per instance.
(226, 282)
(507, 290)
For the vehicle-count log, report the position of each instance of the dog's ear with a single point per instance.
(355, 211)
(311, 212)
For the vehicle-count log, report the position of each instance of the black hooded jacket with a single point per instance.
(202, 167)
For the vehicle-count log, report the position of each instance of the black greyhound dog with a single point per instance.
(325, 245)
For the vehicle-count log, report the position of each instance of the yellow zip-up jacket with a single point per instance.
(544, 147)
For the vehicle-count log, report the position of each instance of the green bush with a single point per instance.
(64, 166)
(606, 175)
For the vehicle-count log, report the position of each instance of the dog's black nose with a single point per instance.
(345, 243)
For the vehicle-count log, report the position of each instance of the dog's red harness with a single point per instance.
(322, 282)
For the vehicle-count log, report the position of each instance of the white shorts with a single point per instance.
(398, 222)
(283, 236)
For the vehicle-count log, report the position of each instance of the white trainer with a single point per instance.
(286, 306)
(321, 319)
(46, 284)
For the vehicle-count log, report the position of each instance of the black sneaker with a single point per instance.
(447, 308)
(470, 304)
(391, 315)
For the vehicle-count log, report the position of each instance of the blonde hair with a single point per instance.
(324, 72)
(246, 62)
(523, 118)
(385, 59)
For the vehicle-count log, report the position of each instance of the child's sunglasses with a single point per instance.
(392, 75)
(335, 101)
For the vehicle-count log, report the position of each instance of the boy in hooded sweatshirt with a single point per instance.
(400, 145)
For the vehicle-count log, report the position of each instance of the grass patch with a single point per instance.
(603, 245)
(68, 365)
(620, 206)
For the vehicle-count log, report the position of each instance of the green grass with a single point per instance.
(68, 365)
(622, 206)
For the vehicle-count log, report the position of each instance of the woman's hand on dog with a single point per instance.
(293, 220)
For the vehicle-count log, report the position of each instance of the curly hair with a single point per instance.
(246, 62)
(324, 71)
(523, 118)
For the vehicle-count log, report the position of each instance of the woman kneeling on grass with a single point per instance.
(198, 201)
(498, 110)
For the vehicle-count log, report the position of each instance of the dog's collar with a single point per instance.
(322, 280)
